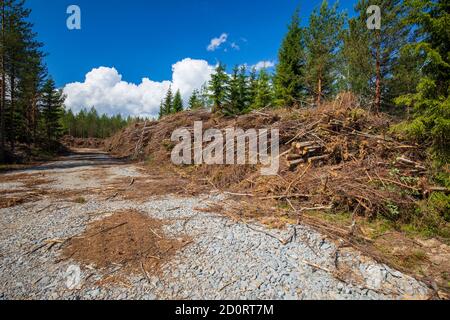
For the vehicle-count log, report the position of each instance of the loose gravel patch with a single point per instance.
(225, 260)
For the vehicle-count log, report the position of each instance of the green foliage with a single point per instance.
(22, 75)
(167, 107)
(372, 56)
(433, 216)
(88, 124)
(52, 108)
(194, 101)
(290, 71)
(430, 102)
(232, 94)
(177, 103)
(264, 92)
(324, 39)
(218, 87)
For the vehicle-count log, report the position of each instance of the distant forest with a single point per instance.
(89, 124)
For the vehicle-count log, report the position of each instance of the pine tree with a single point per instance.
(178, 103)
(218, 87)
(21, 76)
(323, 41)
(289, 78)
(373, 54)
(264, 94)
(52, 108)
(168, 102)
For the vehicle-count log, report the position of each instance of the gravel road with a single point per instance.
(225, 260)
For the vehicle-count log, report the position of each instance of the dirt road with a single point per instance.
(71, 229)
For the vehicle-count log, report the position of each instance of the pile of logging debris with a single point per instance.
(337, 156)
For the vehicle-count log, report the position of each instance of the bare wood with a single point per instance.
(293, 157)
(153, 231)
(312, 159)
(317, 266)
(296, 162)
(316, 208)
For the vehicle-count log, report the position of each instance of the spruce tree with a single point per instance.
(431, 101)
(194, 101)
(161, 113)
(243, 89)
(218, 87)
(178, 103)
(52, 107)
(252, 86)
(323, 41)
(233, 96)
(168, 102)
(290, 71)
(264, 93)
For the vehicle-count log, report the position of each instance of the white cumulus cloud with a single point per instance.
(263, 65)
(104, 89)
(217, 42)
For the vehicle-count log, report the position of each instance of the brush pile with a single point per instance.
(338, 157)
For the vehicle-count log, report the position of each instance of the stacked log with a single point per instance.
(306, 152)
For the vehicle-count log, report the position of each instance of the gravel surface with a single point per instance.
(225, 260)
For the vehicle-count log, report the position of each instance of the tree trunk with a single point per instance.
(319, 91)
(378, 79)
(13, 110)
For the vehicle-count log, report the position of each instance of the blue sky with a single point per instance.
(143, 39)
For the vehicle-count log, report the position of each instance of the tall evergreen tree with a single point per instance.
(233, 98)
(252, 86)
(21, 76)
(323, 41)
(243, 89)
(52, 108)
(218, 87)
(161, 113)
(194, 101)
(290, 72)
(373, 54)
(168, 102)
(431, 101)
(264, 93)
(178, 103)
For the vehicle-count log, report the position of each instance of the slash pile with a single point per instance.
(338, 157)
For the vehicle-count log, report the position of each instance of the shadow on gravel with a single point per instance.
(79, 159)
